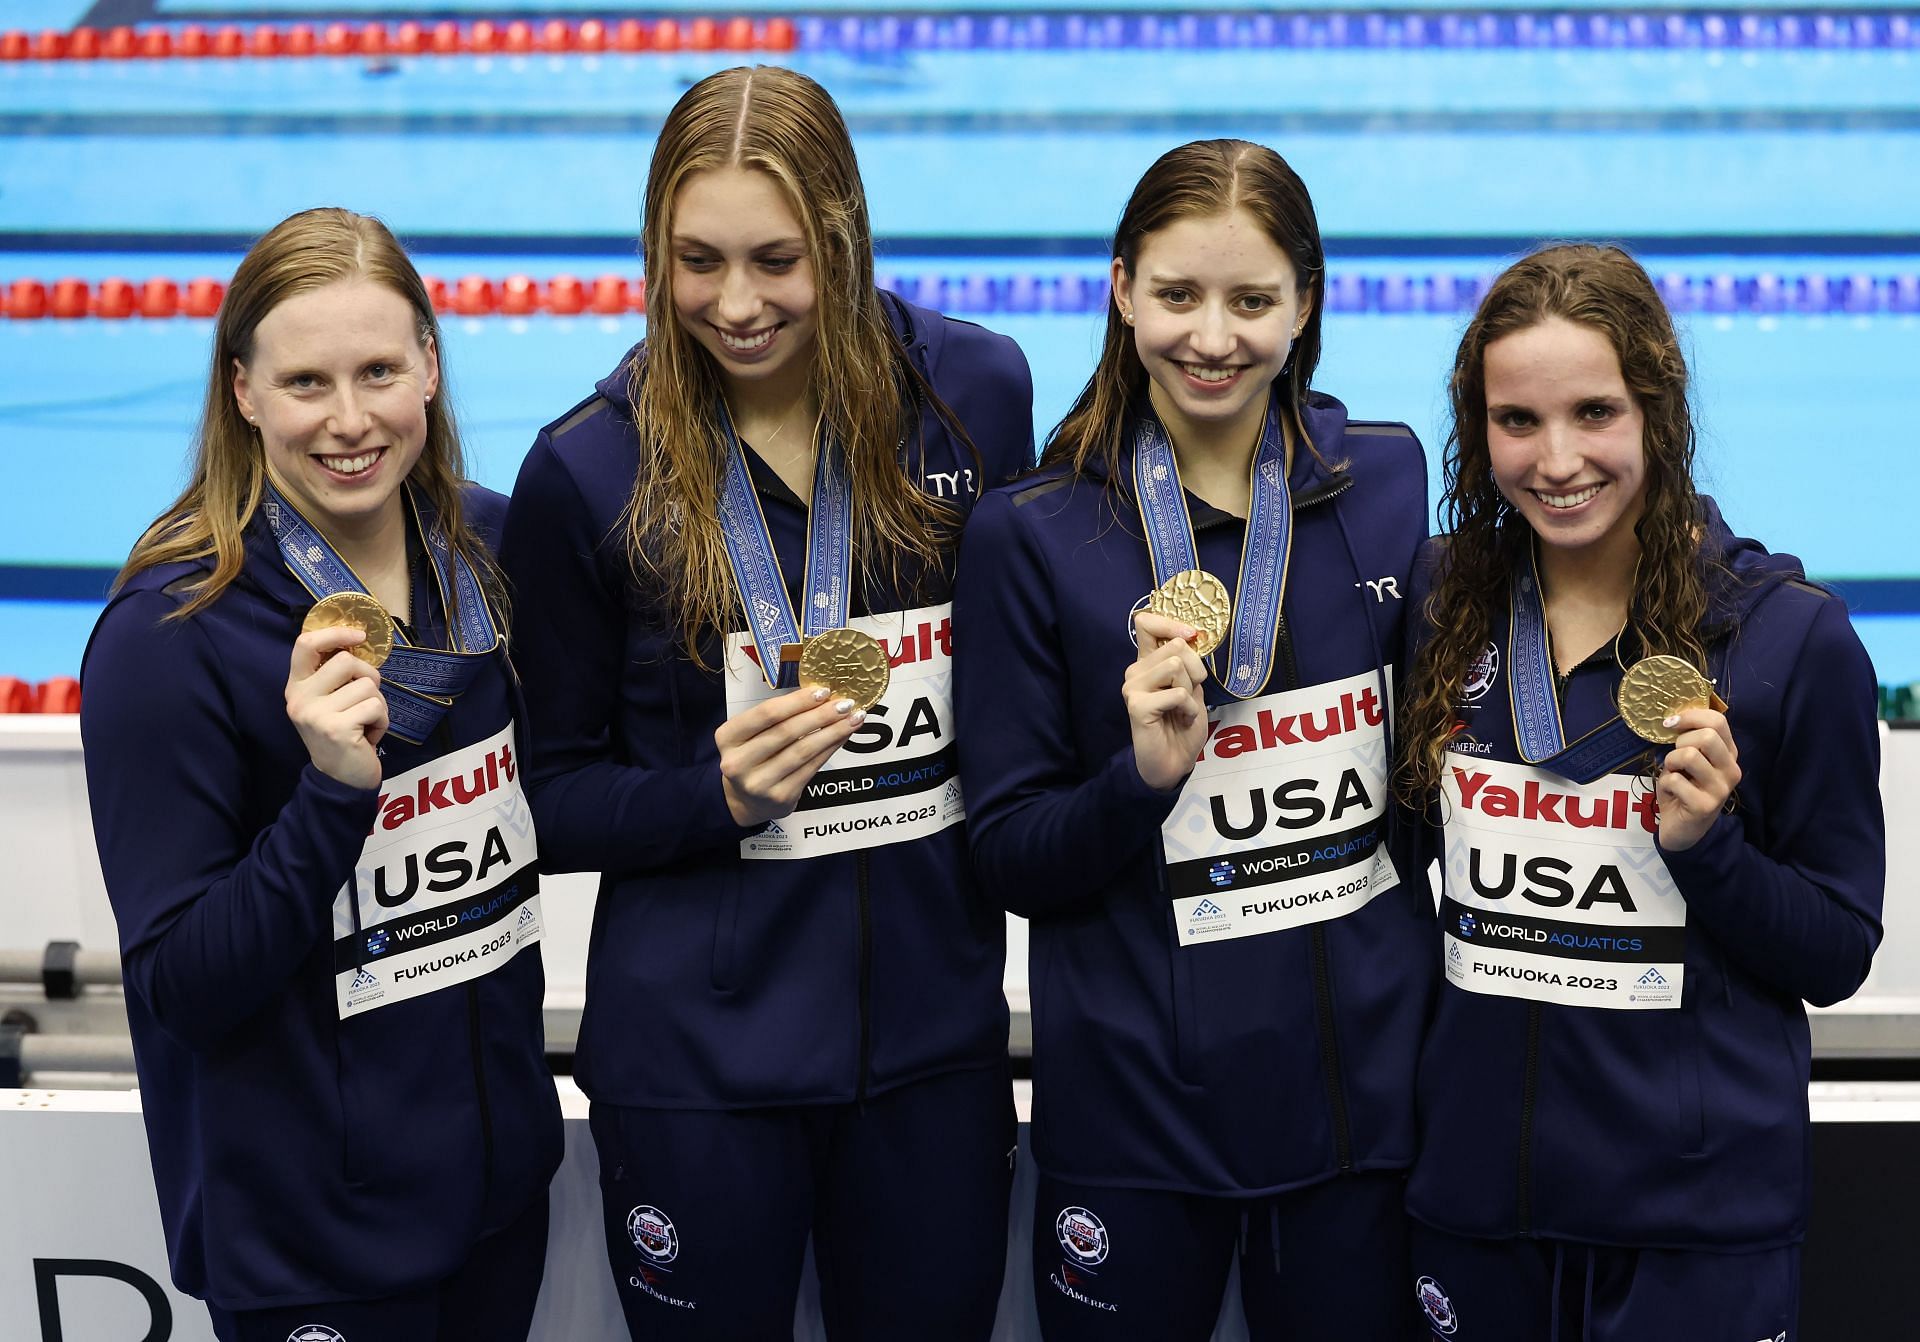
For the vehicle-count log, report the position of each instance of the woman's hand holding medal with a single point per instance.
(1697, 776)
(770, 752)
(1166, 705)
(334, 701)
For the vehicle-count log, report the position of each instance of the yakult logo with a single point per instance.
(1269, 729)
(432, 794)
(1618, 809)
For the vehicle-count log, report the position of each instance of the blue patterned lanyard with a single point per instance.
(419, 684)
(1537, 729)
(756, 568)
(1250, 650)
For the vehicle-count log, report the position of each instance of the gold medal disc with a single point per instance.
(1197, 598)
(355, 610)
(1654, 689)
(851, 664)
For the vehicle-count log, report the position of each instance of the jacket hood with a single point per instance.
(1741, 571)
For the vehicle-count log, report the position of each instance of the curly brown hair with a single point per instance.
(1604, 289)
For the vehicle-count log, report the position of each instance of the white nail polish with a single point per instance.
(1673, 721)
(820, 694)
(860, 717)
(844, 706)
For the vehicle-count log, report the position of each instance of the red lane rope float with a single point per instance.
(484, 37)
(117, 299)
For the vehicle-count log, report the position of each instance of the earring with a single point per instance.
(1127, 317)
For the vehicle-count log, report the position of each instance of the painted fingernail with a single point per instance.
(844, 706)
(821, 693)
(1673, 721)
(860, 717)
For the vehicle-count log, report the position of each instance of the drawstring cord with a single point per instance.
(1553, 1313)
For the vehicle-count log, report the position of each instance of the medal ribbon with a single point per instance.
(419, 684)
(1250, 648)
(1537, 729)
(756, 568)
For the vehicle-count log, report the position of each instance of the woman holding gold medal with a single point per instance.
(323, 872)
(1651, 746)
(1186, 792)
(735, 556)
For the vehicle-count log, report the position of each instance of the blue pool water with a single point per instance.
(1794, 162)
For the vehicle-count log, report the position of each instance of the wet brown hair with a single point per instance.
(1196, 181)
(1605, 290)
(779, 122)
(306, 251)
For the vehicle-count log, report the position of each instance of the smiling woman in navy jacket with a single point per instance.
(1613, 1100)
(1228, 962)
(323, 873)
(794, 1018)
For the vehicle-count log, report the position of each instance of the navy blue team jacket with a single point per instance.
(1684, 1128)
(713, 982)
(1237, 1067)
(299, 1158)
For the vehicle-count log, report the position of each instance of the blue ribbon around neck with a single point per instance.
(1252, 647)
(419, 684)
(1537, 729)
(756, 568)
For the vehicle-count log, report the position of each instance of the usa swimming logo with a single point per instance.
(1434, 1302)
(315, 1332)
(1221, 874)
(653, 1234)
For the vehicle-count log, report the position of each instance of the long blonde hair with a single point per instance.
(782, 123)
(1606, 291)
(306, 251)
(1196, 181)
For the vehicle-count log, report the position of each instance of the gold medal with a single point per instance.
(1197, 598)
(355, 610)
(851, 664)
(1655, 688)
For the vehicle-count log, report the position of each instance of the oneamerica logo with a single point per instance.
(653, 1234)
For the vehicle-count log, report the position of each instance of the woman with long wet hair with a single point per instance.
(741, 547)
(323, 872)
(1649, 750)
(1177, 692)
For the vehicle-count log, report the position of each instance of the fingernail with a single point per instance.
(1673, 721)
(843, 706)
(821, 693)
(860, 717)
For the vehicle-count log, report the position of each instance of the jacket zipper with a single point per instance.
(1529, 1090)
(866, 975)
(1330, 1068)
(475, 1041)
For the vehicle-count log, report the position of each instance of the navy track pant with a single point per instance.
(1325, 1263)
(1532, 1290)
(905, 1196)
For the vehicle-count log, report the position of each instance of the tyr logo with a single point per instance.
(1382, 588)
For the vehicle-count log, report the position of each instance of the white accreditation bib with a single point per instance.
(1283, 820)
(446, 886)
(1556, 891)
(896, 778)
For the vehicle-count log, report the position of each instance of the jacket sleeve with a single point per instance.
(1045, 836)
(1799, 906)
(594, 812)
(215, 918)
